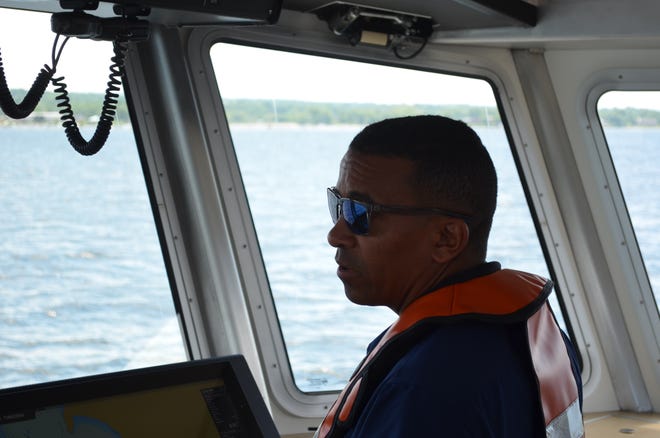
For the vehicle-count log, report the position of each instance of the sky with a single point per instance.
(333, 80)
(22, 61)
(85, 65)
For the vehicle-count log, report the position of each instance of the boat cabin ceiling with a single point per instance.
(512, 23)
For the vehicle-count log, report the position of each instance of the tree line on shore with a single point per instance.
(87, 108)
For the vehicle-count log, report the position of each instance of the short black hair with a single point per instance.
(453, 168)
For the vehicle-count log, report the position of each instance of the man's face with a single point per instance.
(392, 264)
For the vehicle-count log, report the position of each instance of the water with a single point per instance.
(82, 282)
(634, 152)
(83, 289)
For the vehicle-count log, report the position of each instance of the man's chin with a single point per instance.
(360, 298)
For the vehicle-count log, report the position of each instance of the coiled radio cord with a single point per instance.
(108, 110)
(36, 92)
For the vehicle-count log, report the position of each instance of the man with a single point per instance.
(475, 351)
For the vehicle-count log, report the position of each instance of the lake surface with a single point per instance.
(83, 289)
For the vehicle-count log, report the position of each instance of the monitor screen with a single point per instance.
(205, 398)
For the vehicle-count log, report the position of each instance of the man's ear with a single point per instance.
(451, 239)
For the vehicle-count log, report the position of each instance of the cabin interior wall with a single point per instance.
(554, 144)
(622, 304)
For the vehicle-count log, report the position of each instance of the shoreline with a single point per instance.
(26, 123)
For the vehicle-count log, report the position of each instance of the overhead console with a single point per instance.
(228, 11)
(169, 12)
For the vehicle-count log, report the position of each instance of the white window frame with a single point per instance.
(494, 65)
(633, 287)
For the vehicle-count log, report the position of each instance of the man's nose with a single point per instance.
(340, 236)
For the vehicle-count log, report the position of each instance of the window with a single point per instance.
(291, 118)
(82, 281)
(631, 122)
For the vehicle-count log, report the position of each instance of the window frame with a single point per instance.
(491, 64)
(629, 257)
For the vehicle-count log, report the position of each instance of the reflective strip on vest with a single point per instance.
(567, 425)
(504, 294)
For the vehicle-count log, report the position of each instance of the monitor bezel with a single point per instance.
(233, 370)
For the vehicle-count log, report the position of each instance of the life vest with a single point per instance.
(505, 296)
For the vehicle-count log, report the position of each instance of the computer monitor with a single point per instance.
(204, 398)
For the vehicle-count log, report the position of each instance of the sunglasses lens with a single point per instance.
(355, 214)
(333, 206)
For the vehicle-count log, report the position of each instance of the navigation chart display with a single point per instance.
(208, 408)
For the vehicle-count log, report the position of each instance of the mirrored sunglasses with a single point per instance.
(357, 214)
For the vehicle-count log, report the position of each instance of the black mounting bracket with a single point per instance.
(521, 11)
(355, 21)
(131, 10)
(80, 5)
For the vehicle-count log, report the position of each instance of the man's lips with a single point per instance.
(344, 270)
